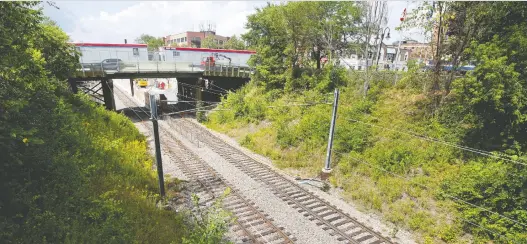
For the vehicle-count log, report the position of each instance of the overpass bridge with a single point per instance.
(96, 79)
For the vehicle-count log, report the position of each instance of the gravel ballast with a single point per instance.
(284, 215)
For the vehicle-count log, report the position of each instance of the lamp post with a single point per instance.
(380, 43)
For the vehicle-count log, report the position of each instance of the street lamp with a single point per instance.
(380, 43)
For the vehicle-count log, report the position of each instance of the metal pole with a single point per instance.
(327, 167)
(396, 61)
(379, 52)
(153, 112)
(132, 86)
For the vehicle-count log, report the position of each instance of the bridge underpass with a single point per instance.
(205, 84)
(208, 89)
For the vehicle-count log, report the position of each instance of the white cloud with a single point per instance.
(114, 21)
(161, 19)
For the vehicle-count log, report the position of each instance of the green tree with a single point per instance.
(495, 99)
(153, 42)
(291, 38)
(70, 171)
(234, 43)
(209, 42)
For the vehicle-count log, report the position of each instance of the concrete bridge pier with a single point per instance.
(132, 86)
(107, 91)
(199, 99)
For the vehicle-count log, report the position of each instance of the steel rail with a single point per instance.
(286, 189)
(214, 176)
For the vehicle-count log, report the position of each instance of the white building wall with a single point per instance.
(195, 56)
(95, 54)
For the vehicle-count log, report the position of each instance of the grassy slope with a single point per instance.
(296, 138)
(100, 188)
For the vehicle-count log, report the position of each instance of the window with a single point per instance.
(370, 55)
(176, 54)
(136, 51)
(221, 42)
(196, 38)
(359, 68)
(184, 39)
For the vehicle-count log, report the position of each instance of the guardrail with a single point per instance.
(228, 71)
(102, 69)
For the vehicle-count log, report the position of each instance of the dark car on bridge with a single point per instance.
(112, 64)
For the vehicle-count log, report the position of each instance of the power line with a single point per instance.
(427, 188)
(205, 90)
(226, 91)
(217, 92)
(194, 99)
(293, 105)
(189, 110)
(475, 149)
(478, 151)
(449, 218)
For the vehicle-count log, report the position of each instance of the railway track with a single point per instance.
(250, 223)
(327, 216)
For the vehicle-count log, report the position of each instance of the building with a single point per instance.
(420, 51)
(388, 58)
(195, 56)
(193, 39)
(97, 52)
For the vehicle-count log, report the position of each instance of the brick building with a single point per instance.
(193, 39)
(418, 50)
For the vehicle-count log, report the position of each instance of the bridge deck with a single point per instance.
(154, 69)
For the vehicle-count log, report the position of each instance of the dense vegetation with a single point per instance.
(429, 185)
(71, 172)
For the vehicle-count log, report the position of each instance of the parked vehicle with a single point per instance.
(142, 83)
(112, 64)
(105, 65)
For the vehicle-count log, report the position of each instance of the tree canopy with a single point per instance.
(442, 153)
(70, 171)
(153, 42)
(234, 43)
(209, 42)
(293, 37)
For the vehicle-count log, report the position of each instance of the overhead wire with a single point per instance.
(196, 86)
(477, 151)
(435, 140)
(226, 91)
(382, 169)
(427, 188)
(454, 144)
(209, 90)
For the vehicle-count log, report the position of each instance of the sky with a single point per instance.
(114, 21)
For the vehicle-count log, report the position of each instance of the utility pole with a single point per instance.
(327, 166)
(153, 112)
